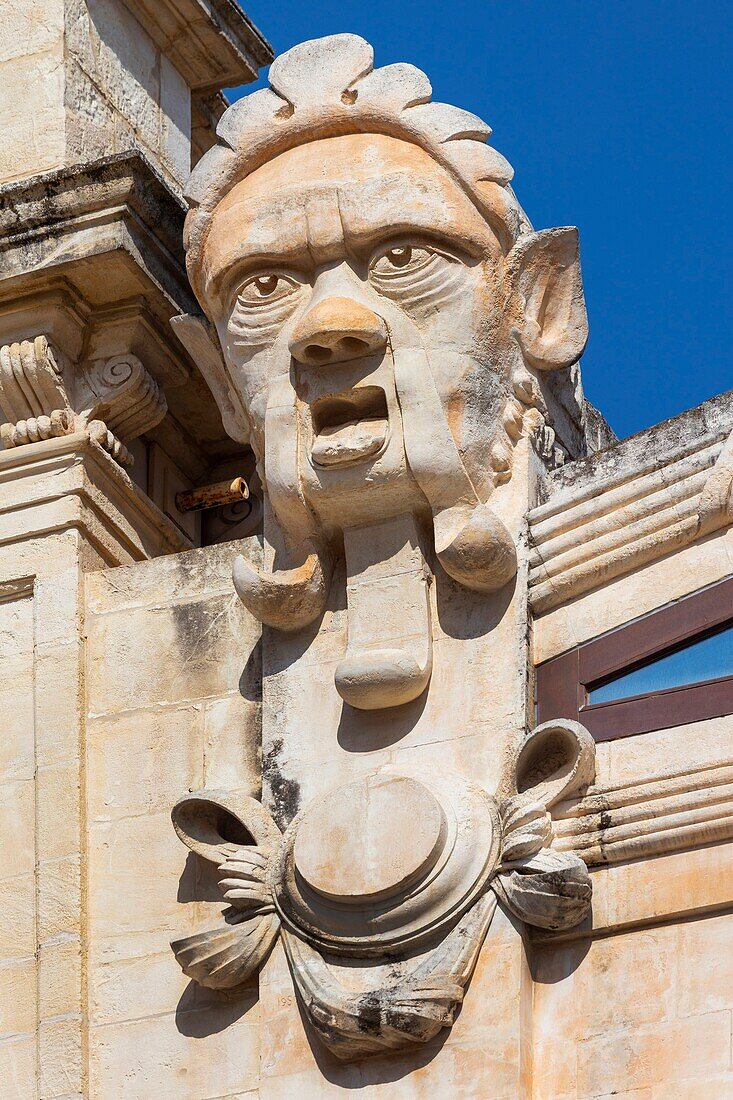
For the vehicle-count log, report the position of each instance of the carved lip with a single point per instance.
(349, 427)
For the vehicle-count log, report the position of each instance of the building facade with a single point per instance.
(366, 705)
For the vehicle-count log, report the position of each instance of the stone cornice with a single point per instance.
(633, 504)
(84, 211)
(212, 42)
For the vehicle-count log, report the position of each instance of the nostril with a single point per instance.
(352, 345)
(317, 354)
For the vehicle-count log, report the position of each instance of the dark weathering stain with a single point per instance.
(191, 621)
(284, 792)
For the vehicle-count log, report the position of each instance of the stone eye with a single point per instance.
(400, 259)
(265, 288)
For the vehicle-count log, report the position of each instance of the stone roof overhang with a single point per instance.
(212, 42)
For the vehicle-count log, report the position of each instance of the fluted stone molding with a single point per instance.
(392, 865)
(634, 515)
(115, 400)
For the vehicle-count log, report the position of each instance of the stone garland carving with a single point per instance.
(114, 400)
(382, 389)
(428, 858)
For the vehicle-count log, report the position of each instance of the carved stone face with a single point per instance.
(359, 294)
(386, 316)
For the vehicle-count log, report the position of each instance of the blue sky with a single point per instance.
(616, 116)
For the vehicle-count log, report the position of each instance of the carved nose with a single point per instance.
(335, 330)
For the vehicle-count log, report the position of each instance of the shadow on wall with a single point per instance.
(464, 614)
(553, 963)
(201, 1012)
(370, 730)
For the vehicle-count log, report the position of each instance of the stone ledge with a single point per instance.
(652, 494)
(649, 892)
(71, 483)
(653, 447)
(212, 42)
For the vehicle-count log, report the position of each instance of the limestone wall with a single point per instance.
(31, 57)
(644, 1015)
(98, 83)
(173, 698)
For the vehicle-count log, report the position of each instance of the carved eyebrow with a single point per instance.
(292, 260)
(365, 241)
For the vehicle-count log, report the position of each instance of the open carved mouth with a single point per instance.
(349, 427)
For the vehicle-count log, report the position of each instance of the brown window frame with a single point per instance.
(564, 682)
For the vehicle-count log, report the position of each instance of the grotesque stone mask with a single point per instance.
(387, 319)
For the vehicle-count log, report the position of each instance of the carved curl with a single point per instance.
(542, 887)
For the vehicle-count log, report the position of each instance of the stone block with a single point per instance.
(175, 120)
(58, 702)
(59, 896)
(17, 756)
(179, 1057)
(18, 828)
(705, 966)
(31, 143)
(142, 761)
(593, 987)
(60, 1057)
(25, 30)
(58, 810)
(197, 651)
(126, 69)
(696, 1049)
(17, 998)
(137, 894)
(233, 739)
(18, 926)
(60, 977)
(135, 988)
(18, 1067)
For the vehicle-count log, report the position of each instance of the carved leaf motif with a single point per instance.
(244, 880)
(227, 957)
(550, 890)
(412, 1011)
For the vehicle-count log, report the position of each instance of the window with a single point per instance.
(668, 668)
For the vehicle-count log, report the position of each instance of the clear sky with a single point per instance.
(616, 115)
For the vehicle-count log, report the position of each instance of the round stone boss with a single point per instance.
(369, 839)
(384, 862)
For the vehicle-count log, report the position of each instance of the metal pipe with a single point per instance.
(212, 496)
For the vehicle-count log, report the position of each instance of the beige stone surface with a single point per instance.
(410, 400)
(107, 75)
(625, 598)
(151, 735)
(619, 1015)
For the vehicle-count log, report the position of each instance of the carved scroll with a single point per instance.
(114, 400)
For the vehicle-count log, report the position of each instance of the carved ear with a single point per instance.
(545, 270)
(200, 341)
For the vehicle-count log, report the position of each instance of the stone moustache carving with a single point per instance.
(115, 400)
(398, 867)
(383, 327)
